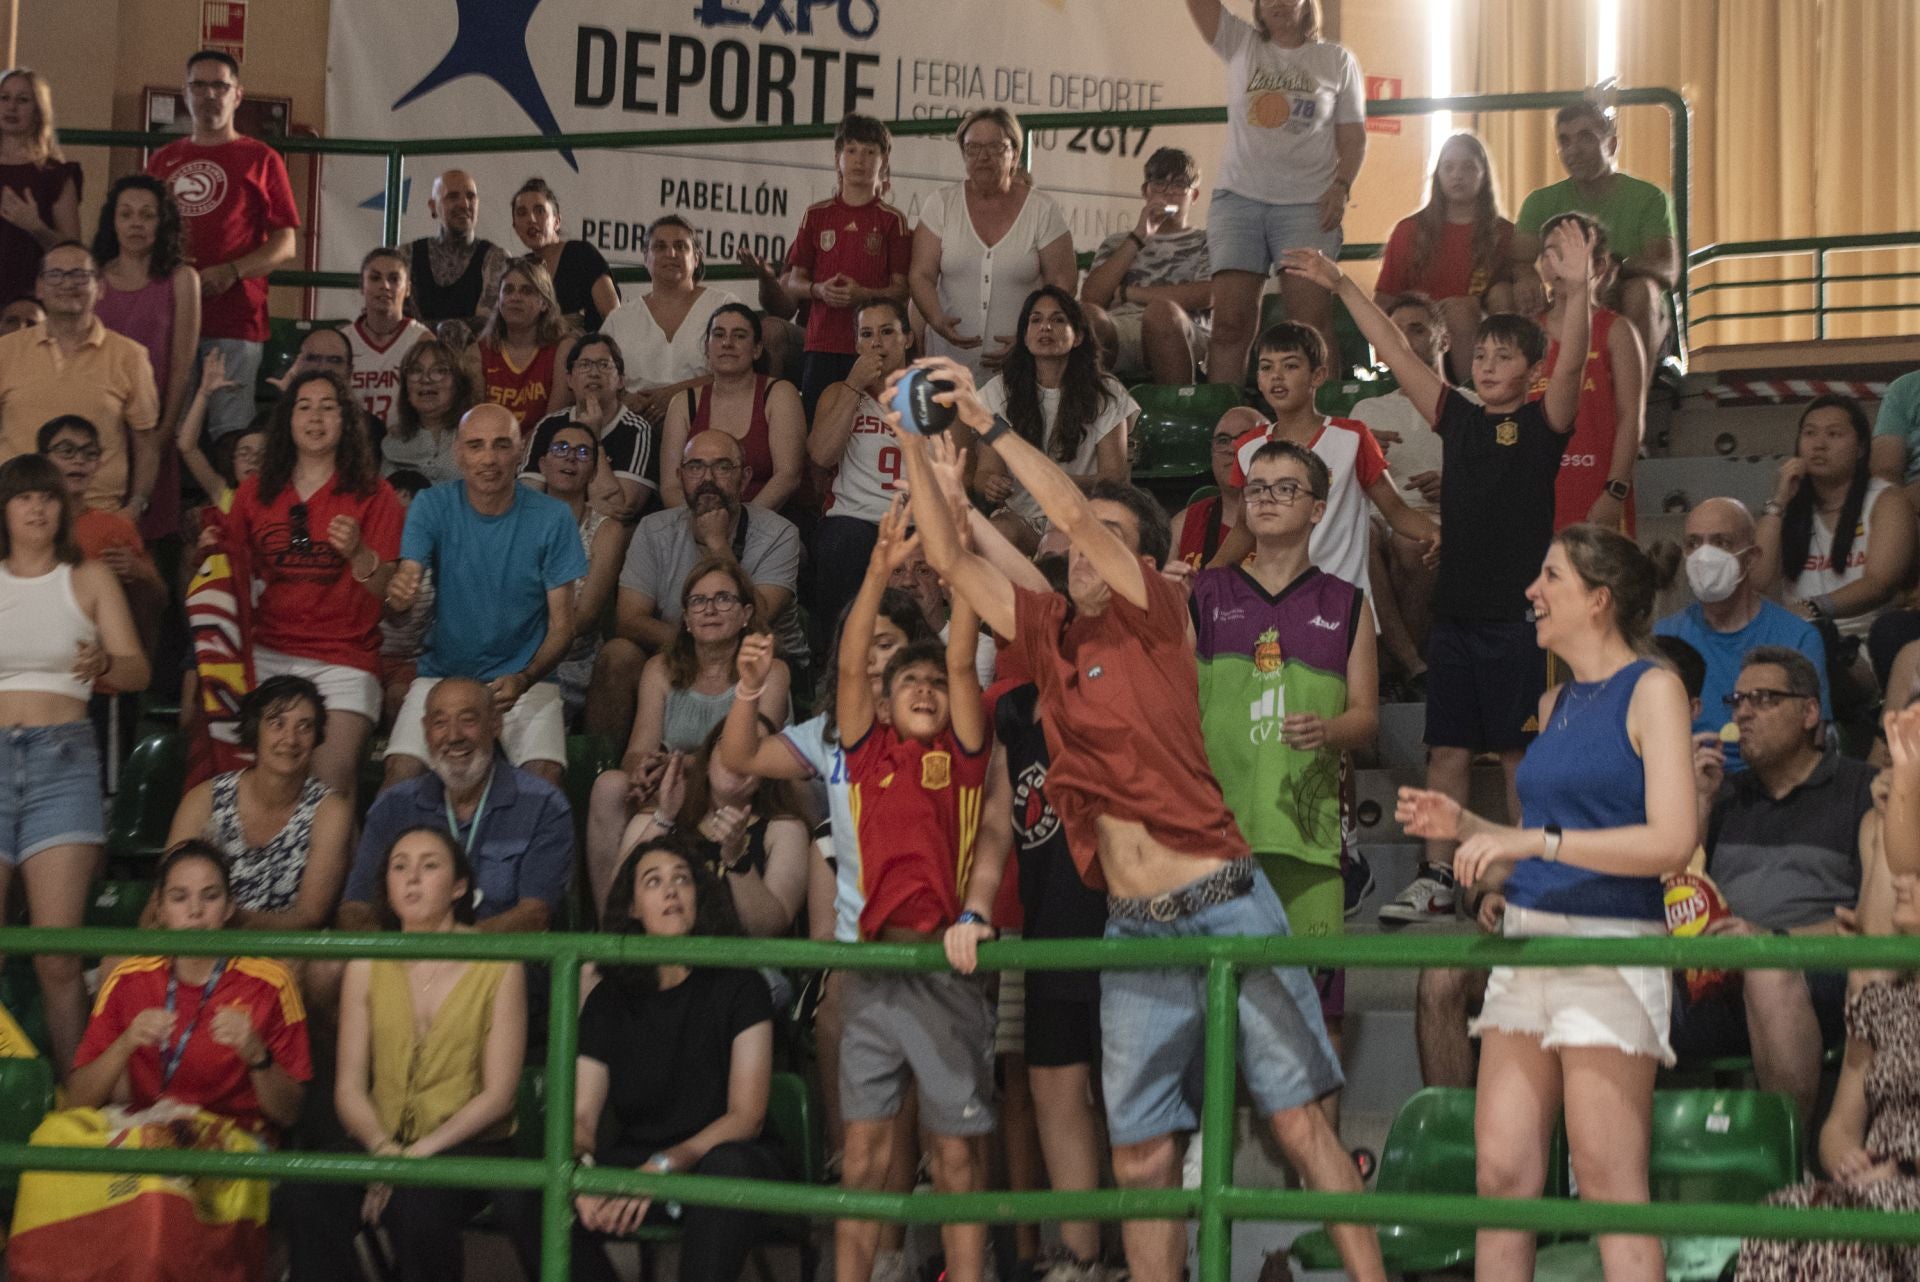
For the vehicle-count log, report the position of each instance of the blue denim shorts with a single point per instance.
(1153, 1026)
(1250, 235)
(49, 790)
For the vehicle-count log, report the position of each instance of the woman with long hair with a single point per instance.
(39, 186)
(64, 625)
(438, 384)
(985, 243)
(582, 280)
(674, 1070)
(519, 346)
(1054, 393)
(150, 294)
(322, 532)
(1454, 248)
(739, 398)
(1296, 137)
(1607, 809)
(286, 835)
(665, 337)
(429, 1063)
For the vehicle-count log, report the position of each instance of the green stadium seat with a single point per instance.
(26, 1096)
(1172, 438)
(151, 784)
(1352, 349)
(1338, 399)
(118, 903)
(283, 343)
(1708, 1146)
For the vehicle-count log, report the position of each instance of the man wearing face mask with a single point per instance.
(1730, 618)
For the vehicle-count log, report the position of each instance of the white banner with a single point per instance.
(450, 68)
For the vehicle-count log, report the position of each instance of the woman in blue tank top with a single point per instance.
(1607, 808)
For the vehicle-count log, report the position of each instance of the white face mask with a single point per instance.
(1713, 573)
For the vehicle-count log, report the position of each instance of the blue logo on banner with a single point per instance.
(491, 41)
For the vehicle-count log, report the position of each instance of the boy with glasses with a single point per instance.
(73, 445)
(1149, 293)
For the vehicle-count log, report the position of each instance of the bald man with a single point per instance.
(1729, 618)
(668, 544)
(456, 275)
(504, 561)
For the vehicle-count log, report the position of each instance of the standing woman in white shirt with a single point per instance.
(984, 244)
(1296, 135)
(665, 336)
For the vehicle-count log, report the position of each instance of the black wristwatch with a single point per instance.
(262, 1064)
(972, 918)
(1619, 490)
(999, 429)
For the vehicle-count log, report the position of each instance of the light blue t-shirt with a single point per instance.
(1724, 652)
(829, 762)
(1900, 417)
(491, 576)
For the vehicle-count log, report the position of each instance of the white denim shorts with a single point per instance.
(1625, 1008)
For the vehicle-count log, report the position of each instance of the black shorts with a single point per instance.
(1062, 1031)
(1484, 682)
(1717, 1027)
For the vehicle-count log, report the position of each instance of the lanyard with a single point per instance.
(171, 1052)
(473, 829)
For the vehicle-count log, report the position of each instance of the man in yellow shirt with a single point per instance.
(71, 363)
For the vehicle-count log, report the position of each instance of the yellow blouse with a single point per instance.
(418, 1085)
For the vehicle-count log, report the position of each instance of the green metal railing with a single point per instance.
(1216, 1203)
(1819, 278)
(397, 152)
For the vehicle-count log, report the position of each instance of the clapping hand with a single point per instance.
(404, 587)
(233, 1028)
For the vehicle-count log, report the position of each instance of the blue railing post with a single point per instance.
(556, 1199)
(1216, 1120)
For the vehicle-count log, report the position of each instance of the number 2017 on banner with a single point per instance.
(1102, 140)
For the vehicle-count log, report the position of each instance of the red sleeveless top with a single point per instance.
(756, 446)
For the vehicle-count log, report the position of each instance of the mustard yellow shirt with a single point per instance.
(417, 1085)
(107, 380)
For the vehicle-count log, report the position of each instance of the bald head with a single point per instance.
(487, 452)
(1727, 518)
(455, 202)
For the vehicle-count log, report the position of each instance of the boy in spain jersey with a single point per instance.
(1119, 699)
(916, 781)
(1288, 682)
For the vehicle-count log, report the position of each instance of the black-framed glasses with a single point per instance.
(1762, 700)
(67, 275)
(595, 364)
(720, 467)
(66, 452)
(713, 601)
(430, 373)
(1285, 493)
(560, 449)
(299, 534)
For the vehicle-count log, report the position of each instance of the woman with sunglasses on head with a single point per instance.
(756, 409)
(567, 468)
(322, 531)
(64, 625)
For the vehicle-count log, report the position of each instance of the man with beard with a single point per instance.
(504, 562)
(665, 547)
(454, 272)
(516, 828)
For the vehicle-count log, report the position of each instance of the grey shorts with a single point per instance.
(935, 1029)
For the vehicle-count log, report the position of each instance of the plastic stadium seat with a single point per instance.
(26, 1096)
(283, 344)
(150, 786)
(1708, 1146)
(1173, 437)
(1338, 399)
(118, 903)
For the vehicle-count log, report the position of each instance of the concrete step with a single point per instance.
(1672, 486)
(1402, 744)
(1376, 790)
(1702, 429)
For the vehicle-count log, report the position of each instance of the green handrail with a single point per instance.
(396, 151)
(1819, 247)
(1216, 1202)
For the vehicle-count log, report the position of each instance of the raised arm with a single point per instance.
(853, 695)
(1206, 17)
(978, 534)
(1569, 258)
(986, 589)
(963, 679)
(742, 747)
(1629, 362)
(1422, 386)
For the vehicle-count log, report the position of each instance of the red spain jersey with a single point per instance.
(522, 389)
(917, 809)
(209, 1075)
(869, 243)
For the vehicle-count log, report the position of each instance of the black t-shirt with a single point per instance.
(1496, 506)
(580, 265)
(1056, 902)
(668, 1055)
(632, 445)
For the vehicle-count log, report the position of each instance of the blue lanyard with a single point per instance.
(171, 1052)
(473, 829)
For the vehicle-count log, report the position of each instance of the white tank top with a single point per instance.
(869, 471)
(41, 623)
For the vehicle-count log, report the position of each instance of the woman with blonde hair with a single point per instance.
(520, 345)
(39, 186)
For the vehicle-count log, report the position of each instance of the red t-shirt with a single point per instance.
(1589, 451)
(230, 197)
(210, 1075)
(309, 605)
(524, 391)
(869, 243)
(1120, 702)
(96, 530)
(917, 808)
(1195, 547)
(1449, 271)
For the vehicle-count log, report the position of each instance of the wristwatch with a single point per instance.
(1553, 835)
(262, 1064)
(1619, 490)
(972, 918)
(999, 429)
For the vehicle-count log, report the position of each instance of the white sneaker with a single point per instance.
(889, 1266)
(1064, 1266)
(1429, 897)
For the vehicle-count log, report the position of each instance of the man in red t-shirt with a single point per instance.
(1119, 700)
(851, 249)
(238, 209)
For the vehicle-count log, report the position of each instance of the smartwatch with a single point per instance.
(1619, 490)
(999, 429)
(1552, 852)
(972, 918)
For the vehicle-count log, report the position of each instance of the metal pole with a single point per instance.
(1819, 294)
(1216, 1121)
(563, 1036)
(396, 179)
